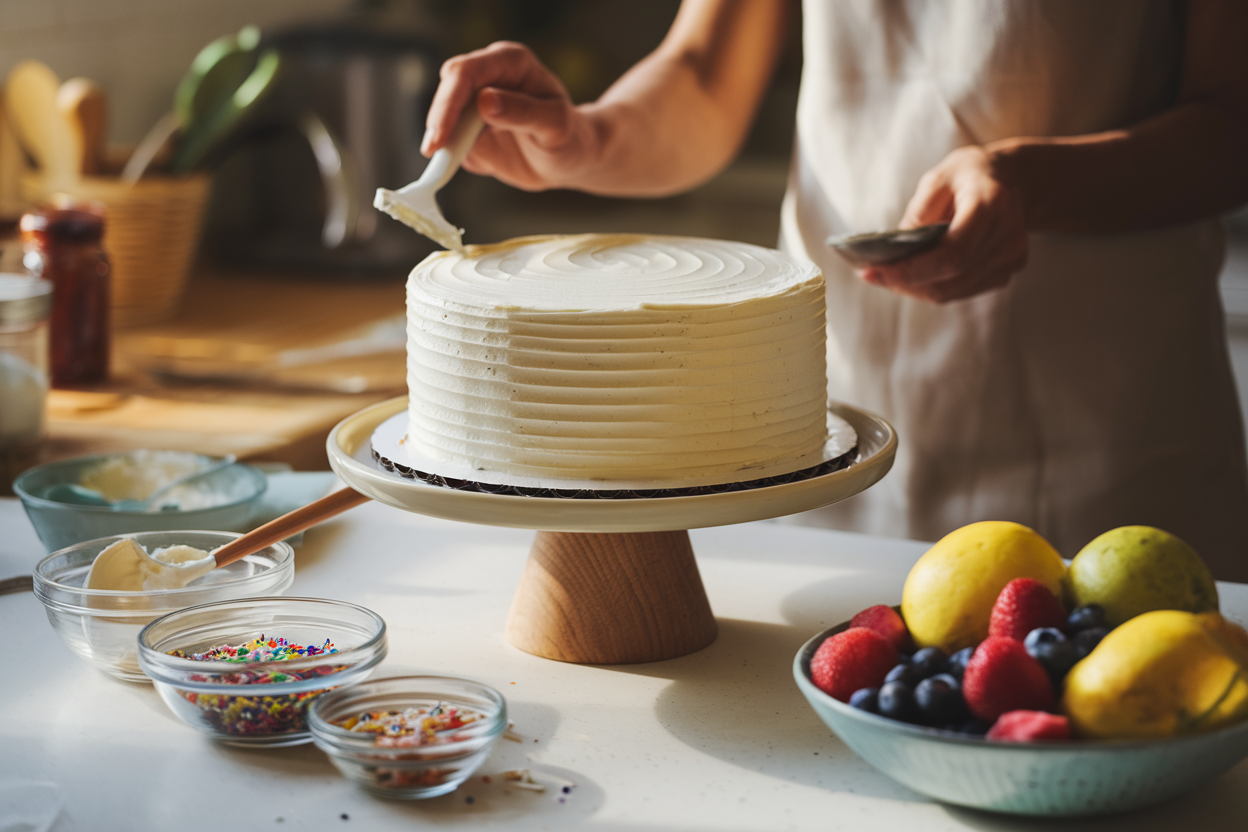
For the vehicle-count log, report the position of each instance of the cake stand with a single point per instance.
(608, 581)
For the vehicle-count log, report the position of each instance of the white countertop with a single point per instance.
(718, 740)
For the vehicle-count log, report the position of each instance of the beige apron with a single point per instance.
(1095, 390)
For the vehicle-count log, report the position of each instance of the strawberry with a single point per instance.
(1022, 606)
(854, 659)
(1029, 726)
(1002, 677)
(887, 622)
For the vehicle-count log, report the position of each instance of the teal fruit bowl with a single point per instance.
(1044, 779)
(61, 524)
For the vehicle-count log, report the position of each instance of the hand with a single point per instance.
(987, 240)
(534, 138)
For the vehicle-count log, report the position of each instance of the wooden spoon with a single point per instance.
(85, 105)
(288, 524)
(30, 94)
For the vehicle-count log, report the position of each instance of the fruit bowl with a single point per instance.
(1066, 778)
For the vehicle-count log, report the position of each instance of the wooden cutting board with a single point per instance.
(218, 378)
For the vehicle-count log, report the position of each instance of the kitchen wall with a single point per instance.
(136, 49)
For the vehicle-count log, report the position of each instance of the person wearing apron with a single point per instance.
(1060, 360)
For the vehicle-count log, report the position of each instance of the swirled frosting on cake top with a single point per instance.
(624, 359)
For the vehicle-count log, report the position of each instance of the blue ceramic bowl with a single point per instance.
(1046, 779)
(61, 524)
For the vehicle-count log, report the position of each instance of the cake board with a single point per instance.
(608, 581)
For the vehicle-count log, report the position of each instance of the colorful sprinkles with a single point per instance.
(281, 714)
(411, 726)
(259, 649)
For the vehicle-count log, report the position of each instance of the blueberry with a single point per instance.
(906, 673)
(929, 661)
(1085, 640)
(956, 665)
(940, 699)
(897, 702)
(1085, 618)
(866, 699)
(975, 726)
(1048, 645)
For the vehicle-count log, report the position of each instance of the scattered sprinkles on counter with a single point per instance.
(260, 714)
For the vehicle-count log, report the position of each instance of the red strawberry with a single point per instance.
(1029, 726)
(1002, 677)
(1022, 606)
(887, 622)
(856, 658)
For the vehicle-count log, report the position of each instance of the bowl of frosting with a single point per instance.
(99, 594)
(90, 497)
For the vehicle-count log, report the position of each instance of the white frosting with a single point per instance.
(617, 358)
(126, 566)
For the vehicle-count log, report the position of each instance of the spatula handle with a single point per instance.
(291, 523)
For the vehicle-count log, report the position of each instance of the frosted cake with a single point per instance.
(616, 359)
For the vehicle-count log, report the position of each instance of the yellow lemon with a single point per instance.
(948, 596)
(1161, 674)
(1134, 569)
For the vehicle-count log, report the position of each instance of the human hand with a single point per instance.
(534, 138)
(987, 240)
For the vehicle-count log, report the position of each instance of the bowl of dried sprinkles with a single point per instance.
(409, 737)
(244, 672)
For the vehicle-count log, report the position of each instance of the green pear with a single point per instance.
(1134, 569)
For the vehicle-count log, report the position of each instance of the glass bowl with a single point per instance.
(209, 695)
(103, 625)
(1053, 779)
(421, 765)
(61, 524)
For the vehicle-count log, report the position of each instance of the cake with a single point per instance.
(626, 360)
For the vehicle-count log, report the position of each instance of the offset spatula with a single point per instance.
(414, 205)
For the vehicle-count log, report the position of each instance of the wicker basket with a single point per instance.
(151, 230)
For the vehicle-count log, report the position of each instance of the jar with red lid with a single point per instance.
(63, 245)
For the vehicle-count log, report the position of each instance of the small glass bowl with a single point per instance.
(258, 703)
(102, 625)
(436, 766)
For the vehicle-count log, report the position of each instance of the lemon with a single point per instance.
(1161, 674)
(1135, 569)
(948, 596)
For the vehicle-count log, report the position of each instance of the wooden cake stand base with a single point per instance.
(611, 598)
(612, 581)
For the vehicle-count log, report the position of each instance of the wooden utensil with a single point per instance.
(41, 127)
(288, 524)
(85, 106)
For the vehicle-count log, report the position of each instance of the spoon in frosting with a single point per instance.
(127, 566)
(414, 205)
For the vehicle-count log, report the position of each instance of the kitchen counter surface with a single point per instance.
(718, 740)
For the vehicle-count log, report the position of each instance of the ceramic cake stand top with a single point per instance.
(350, 456)
(608, 581)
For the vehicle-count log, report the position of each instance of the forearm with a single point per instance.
(679, 116)
(1184, 164)
(1188, 162)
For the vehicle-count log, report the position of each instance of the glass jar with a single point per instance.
(25, 307)
(63, 246)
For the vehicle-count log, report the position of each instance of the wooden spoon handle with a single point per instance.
(288, 524)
